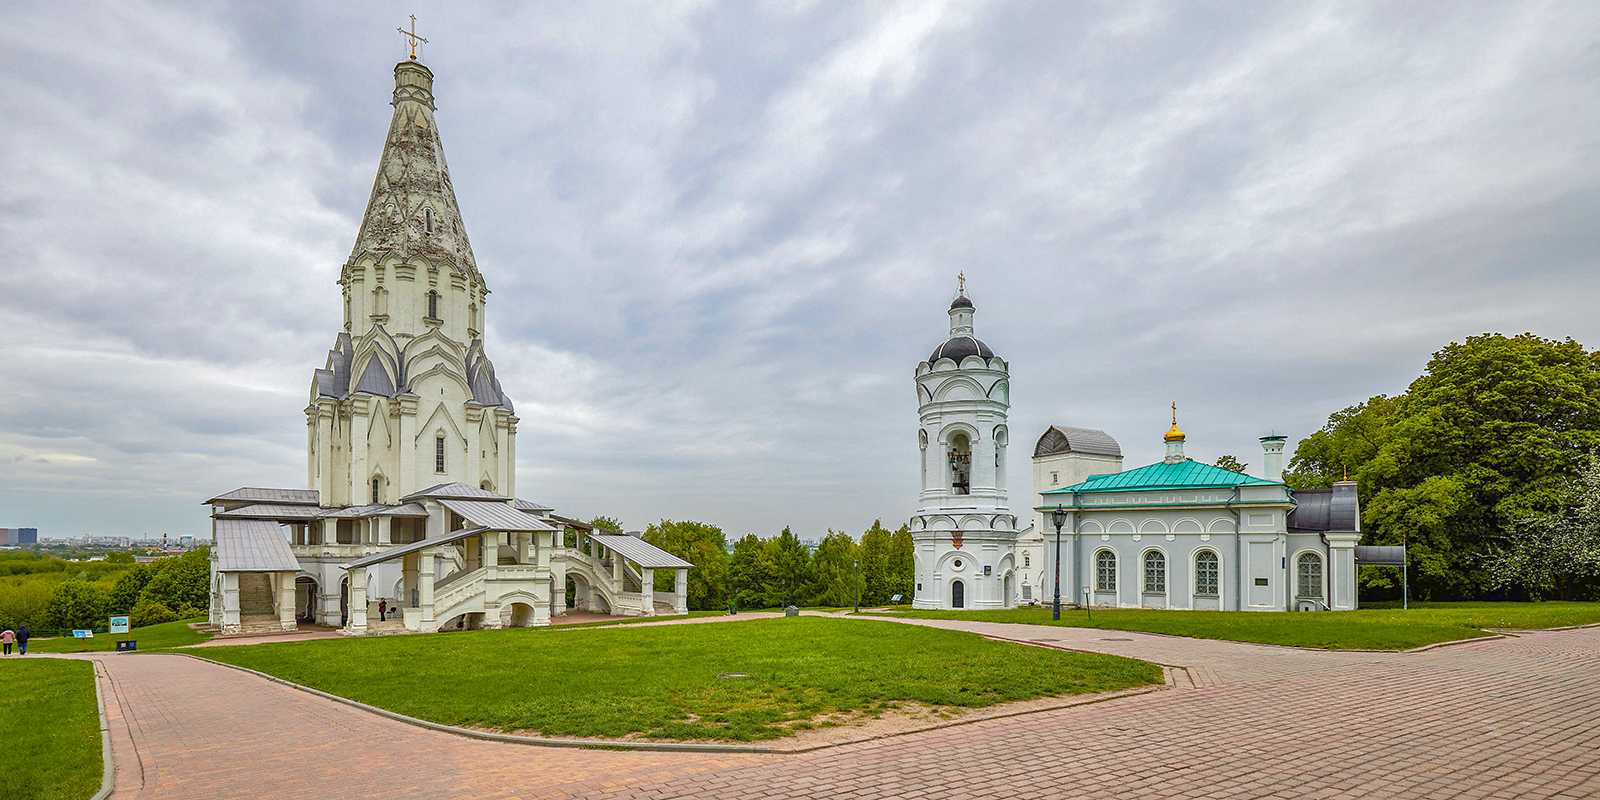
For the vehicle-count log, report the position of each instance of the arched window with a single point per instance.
(960, 464)
(1105, 571)
(1155, 572)
(1027, 561)
(433, 304)
(377, 485)
(922, 446)
(427, 219)
(958, 594)
(1206, 574)
(1308, 573)
(438, 453)
(1000, 440)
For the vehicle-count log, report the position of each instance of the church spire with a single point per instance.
(413, 212)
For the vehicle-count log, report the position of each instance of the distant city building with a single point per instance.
(8, 536)
(27, 535)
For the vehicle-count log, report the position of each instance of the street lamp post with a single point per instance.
(856, 564)
(1059, 517)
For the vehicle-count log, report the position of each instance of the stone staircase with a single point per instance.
(258, 624)
(255, 596)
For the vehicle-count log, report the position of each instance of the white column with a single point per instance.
(425, 570)
(680, 592)
(474, 445)
(647, 590)
(230, 602)
(510, 451)
(358, 601)
(406, 482)
(385, 531)
(360, 488)
(285, 600)
(325, 430)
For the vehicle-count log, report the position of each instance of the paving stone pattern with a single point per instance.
(1510, 718)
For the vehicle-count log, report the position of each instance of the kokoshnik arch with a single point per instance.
(411, 449)
(1175, 534)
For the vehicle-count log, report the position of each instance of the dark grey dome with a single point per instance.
(961, 302)
(959, 347)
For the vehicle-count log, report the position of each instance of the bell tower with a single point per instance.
(964, 531)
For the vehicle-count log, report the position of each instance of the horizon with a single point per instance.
(720, 241)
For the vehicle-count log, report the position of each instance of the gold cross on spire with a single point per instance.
(1174, 412)
(412, 36)
(961, 281)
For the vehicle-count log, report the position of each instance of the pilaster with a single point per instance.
(360, 420)
(358, 602)
(405, 407)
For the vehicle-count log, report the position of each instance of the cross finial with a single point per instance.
(412, 37)
(1174, 412)
(961, 282)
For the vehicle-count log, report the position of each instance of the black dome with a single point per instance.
(959, 347)
(961, 302)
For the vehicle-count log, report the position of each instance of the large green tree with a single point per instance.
(1492, 432)
(748, 573)
(181, 583)
(902, 564)
(790, 577)
(702, 545)
(1552, 553)
(876, 565)
(835, 567)
(76, 604)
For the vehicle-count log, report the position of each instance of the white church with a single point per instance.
(411, 520)
(1176, 534)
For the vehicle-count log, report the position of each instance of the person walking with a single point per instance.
(22, 638)
(6, 638)
(383, 610)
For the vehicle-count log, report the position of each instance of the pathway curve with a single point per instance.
(1516, 717)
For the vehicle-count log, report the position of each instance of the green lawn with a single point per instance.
(52, 729)
(1366, 629)
(150, 637)
(670, 682)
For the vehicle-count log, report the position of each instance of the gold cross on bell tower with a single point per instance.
(412, 36)
(961, 283)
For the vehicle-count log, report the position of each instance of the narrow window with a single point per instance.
(1309, 573)
(1027, 560)
(1105, 571)
(1155, 572)
(1055, 478)
(427, 219)
(960, 464)
(433, 304)
(1205, 573)
(438, 453)
(375, 499)
(472, 317)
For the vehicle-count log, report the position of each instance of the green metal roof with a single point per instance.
(1186, 474)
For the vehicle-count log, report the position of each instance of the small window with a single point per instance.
(1105, 571)
(1027, 560)
(375, 497)
(438, 453)
(1055, 478)
(1308, 571)
(957, 564)
(1205, 573)
(1155, 572)
(427, 219)
(433, 304)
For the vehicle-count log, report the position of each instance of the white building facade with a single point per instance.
(411, 521)
(964, 533)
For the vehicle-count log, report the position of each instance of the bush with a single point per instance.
(76, 604)
(181, 582)
(150, 612)
(125, 594)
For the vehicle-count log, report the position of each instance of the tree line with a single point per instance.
(51, 595)
(781, 570)
(1485, 468)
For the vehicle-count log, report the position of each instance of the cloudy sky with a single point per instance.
(721, 236)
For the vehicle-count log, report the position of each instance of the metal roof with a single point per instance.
(577, 524)
(1390, 555)
(1185, 474)
(640, 551)
(253, 494)
(1332, 509)
(454, 491)
(272, 511)
(412, 547)
(497, 516)
(1059, 439)
(253, 545)
(376, 510)
(529, 505)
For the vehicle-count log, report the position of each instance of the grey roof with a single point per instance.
(455, 491)
(480, 376)
(412, 547)
(375, 379)
(375, 510)
(253, 545)
(640, 551)
(498, 516)
(288, 497)
(529, 505)
(1059, 439)
(1390, 555)
(1334, 509)
(272, 511)
(961, 301)
(572, 523)
(959, 347)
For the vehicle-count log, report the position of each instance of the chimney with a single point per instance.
(1272, 456)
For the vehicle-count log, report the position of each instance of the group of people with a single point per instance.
(19, 637)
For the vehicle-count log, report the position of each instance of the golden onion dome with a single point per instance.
(1174, 433)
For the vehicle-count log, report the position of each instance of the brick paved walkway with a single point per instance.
(1512, 718)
